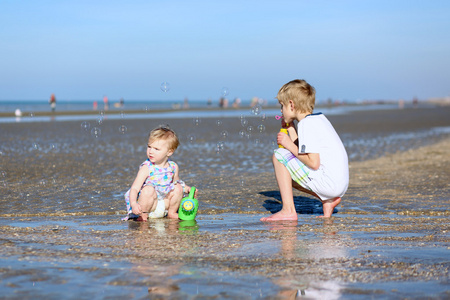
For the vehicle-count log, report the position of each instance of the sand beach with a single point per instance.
(62, 186)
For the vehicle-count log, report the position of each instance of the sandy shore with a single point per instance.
(62, 202)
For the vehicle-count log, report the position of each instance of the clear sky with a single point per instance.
(355, 49)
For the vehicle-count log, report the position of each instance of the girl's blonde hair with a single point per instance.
(301, 93)
(163, 132)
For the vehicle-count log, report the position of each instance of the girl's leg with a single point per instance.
(147, 201)
(284, 181)
(173, 201)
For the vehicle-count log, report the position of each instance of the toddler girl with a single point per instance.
(157, 190)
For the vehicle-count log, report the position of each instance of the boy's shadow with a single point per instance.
(303, 205)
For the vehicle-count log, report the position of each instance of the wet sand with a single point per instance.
(62, 202)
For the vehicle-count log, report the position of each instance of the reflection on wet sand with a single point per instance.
(159, 276)
(294, 247)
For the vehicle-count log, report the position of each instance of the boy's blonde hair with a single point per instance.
(164, 133)
(301, 93)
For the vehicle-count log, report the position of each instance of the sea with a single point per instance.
(29, 110)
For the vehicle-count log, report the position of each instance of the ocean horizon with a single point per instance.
(32, 112)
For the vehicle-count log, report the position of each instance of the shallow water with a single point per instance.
(220, 256)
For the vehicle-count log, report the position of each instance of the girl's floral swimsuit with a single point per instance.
(161, 179)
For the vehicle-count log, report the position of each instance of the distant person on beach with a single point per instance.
(157, 190)
(236, 102)
(313, 159)
(186, 103)
(105, 103)
(52, 102)
(223, 102)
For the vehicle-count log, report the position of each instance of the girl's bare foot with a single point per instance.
(172, 215)
(280, 216)
(328, 207)
(141, 219)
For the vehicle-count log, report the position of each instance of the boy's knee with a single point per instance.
(274, 158)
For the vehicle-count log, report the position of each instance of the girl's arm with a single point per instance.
(176, 177)
(136, 188)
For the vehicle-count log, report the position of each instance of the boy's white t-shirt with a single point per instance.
(317, 135)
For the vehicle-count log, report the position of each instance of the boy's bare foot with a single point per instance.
(328, 207)
(280, 216)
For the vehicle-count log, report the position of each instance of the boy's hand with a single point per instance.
(282, 139)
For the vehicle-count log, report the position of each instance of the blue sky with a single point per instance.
(346, 49)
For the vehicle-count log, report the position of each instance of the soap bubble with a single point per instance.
(196, 121)
(219, 147)
(36, 146)
(85, 126)
(219, 122)
(242, 133)
(191, 138)
(165, 87)
(241, 117)
(224, 134)
(100, 120)
(123, 129)
(96, 132)
(225, 91)
(256, 110)
(261, 128)
(263, 117)
(244, 122)
(250, 129)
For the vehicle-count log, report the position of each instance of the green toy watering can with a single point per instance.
(188, 206)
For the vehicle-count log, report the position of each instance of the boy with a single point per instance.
(313, 159)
